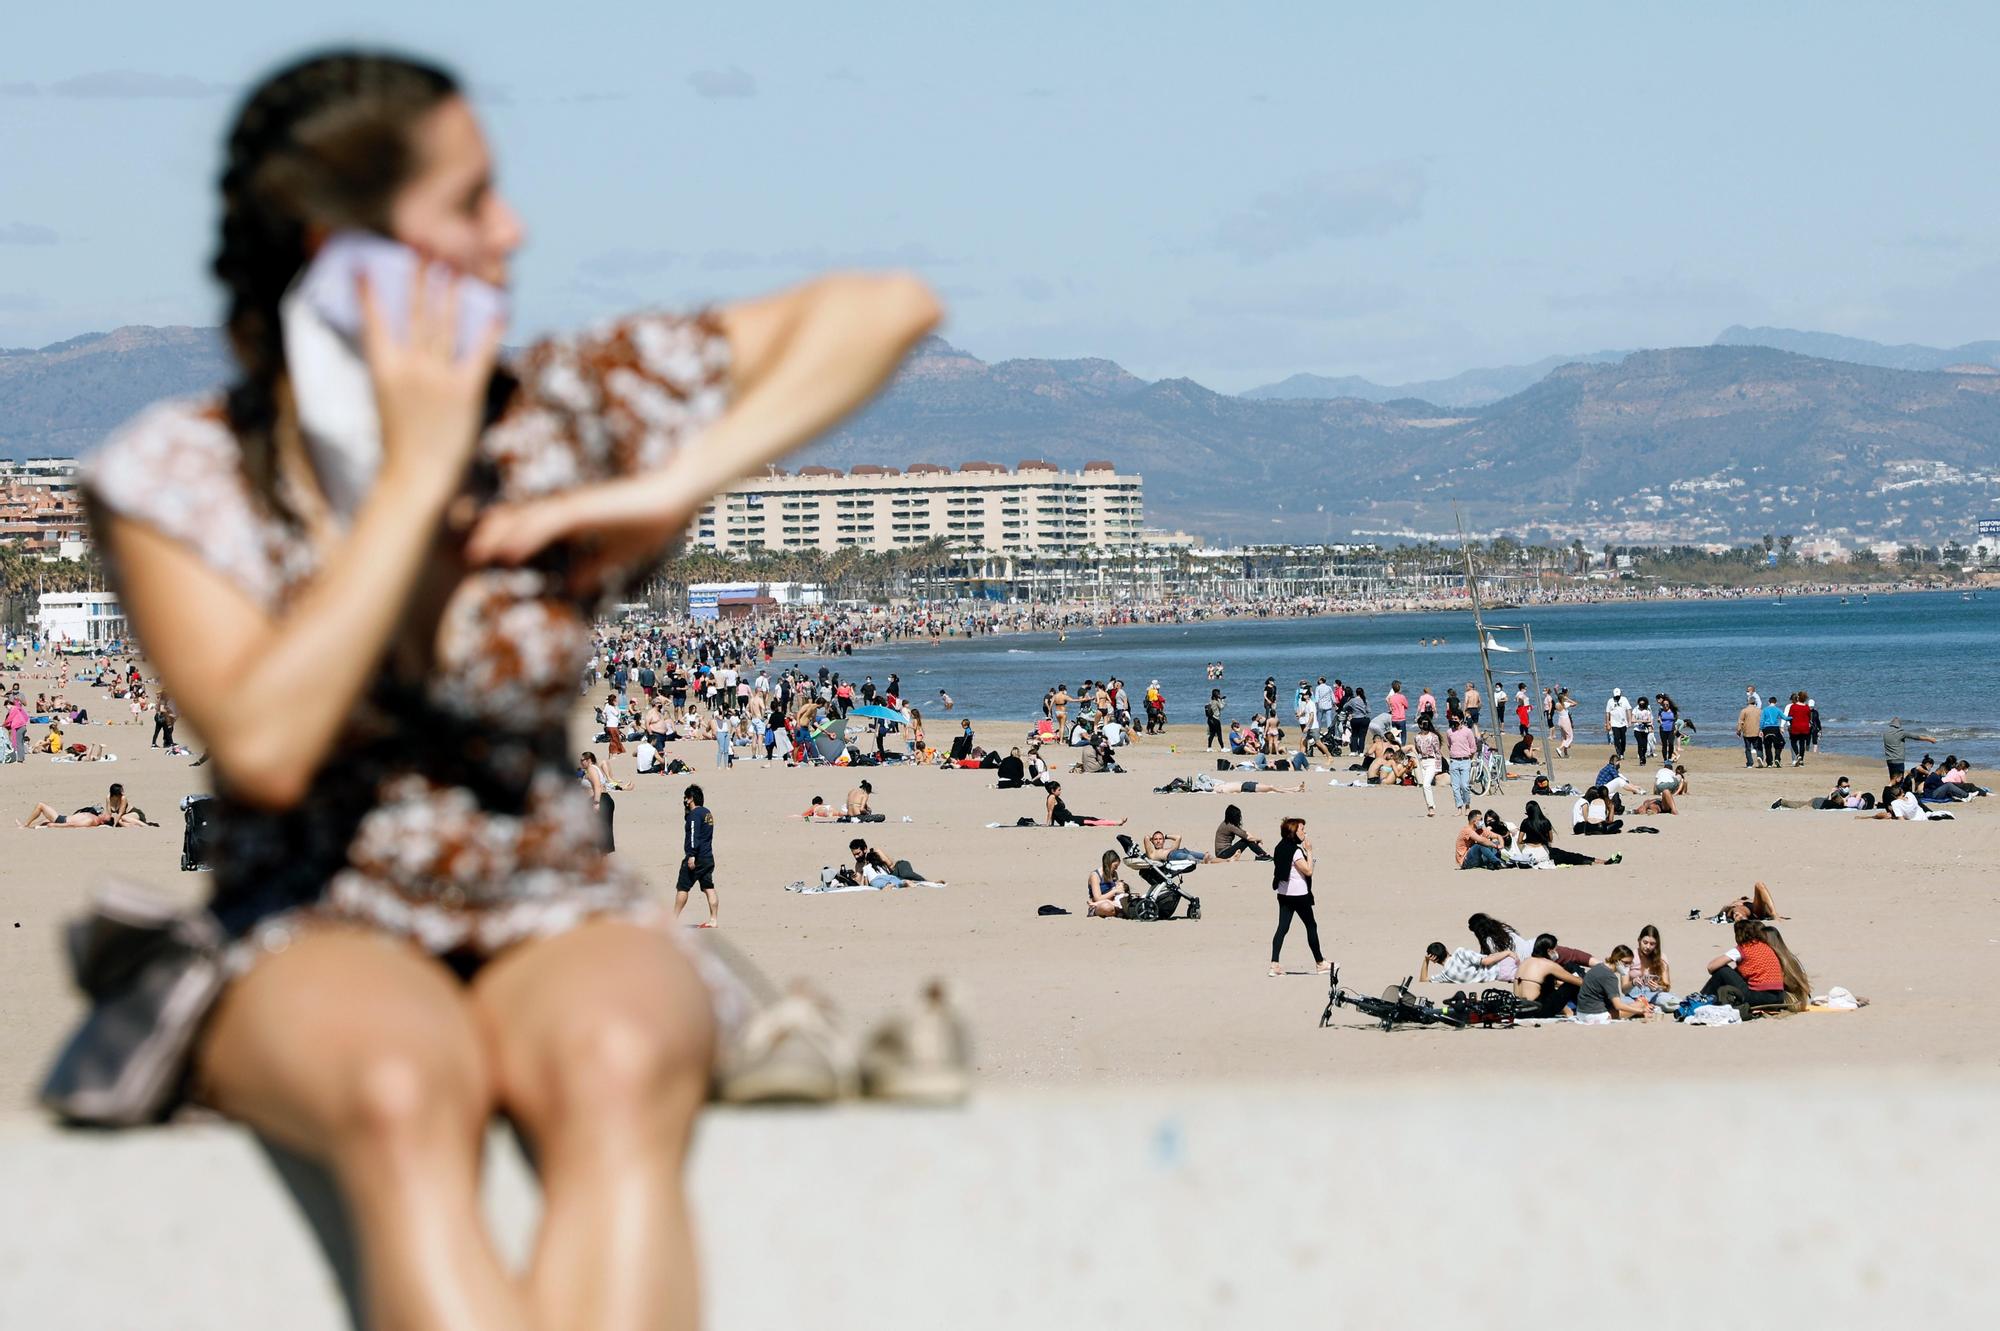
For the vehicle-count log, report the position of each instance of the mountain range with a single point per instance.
(1476, 388)
(1693, 444)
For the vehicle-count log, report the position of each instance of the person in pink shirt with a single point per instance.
(17, 729)
(1399, 711)
(1461, 746)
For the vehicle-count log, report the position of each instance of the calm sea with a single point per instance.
(1930, 657)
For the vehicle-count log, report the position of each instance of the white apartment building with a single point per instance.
(1036, 511)
(78, 618)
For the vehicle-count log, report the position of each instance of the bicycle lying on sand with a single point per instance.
(1397, 1004)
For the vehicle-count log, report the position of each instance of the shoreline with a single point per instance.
(1081, 614)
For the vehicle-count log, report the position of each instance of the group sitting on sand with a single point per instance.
(1758, 973)
(1488, 841)
(116, 811)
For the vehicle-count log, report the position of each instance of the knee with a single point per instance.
(398, 1098)
(630, 1068)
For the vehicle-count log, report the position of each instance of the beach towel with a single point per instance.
(1023, 822)
(1715, 1014)
(806, 889)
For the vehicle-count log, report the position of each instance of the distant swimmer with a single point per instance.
(944, 700)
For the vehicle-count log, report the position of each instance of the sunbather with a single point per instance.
(1106, 895)
(1221, 786)
(1060, 816)
(876, 870)
(1757, 906)
(1545, 981)
(1466, 965)
(1163, 849)
(90, 815)
(1752, 966)
(1231, 840)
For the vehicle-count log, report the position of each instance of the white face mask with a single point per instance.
(336, 404)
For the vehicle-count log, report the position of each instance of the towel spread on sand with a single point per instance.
(806, 889)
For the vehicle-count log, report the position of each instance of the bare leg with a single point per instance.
(602, 1038)
(43, 816)
(1761, 905)
(360, 1051)
(714, 906)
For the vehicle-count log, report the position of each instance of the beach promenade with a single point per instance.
(1360, 1203)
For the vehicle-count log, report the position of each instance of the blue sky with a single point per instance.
(1232, 193)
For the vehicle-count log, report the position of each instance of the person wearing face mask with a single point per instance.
(420, 929)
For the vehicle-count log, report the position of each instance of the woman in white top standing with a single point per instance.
(1291, 879)
(1430, 759)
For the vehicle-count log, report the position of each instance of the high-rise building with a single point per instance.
(1036, 511)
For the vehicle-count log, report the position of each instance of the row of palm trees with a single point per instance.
(25, 576)
(847, 574)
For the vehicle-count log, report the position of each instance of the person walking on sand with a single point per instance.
(1749, 729)
(1617, 721)
(1429, 748)
(697, 857)
(1212, 710)
(164, 717)
(1291, 879)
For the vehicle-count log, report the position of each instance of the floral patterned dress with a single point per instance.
(448, 811)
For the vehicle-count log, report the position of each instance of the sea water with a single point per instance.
(1932, 658)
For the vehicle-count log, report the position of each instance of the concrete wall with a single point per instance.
(1823, 1205)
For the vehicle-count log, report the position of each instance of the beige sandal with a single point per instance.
(790, 1053)
(924, 1058)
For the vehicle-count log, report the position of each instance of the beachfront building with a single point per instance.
(989, 517)
(40, 511)
(78, 618)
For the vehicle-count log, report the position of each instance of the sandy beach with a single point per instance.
(1904, 914)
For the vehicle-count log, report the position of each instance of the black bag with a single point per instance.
(151, 972)
(198, 814)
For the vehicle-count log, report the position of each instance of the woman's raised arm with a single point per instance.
(802, 360)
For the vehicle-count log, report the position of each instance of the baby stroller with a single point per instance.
(1163, 894)
(197, 833)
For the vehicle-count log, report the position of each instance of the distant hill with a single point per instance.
(1714, 443)
(1832, 346)
(1471, 388)
(1692, 444)
(60, 399)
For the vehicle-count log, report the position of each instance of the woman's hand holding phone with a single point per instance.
(430, 401)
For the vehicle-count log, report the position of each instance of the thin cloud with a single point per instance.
(585, 97)
(26, 233)
(1672, 291)
(615, 265)
(910, 254)
(132, 85)
(19, 302)
(844, 74)
(1305, 300)
(1332, 205)
(729, 81)
(19, 90)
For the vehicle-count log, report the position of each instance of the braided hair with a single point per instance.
(323, 143)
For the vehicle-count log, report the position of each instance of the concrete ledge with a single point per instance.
(1826, 1205)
